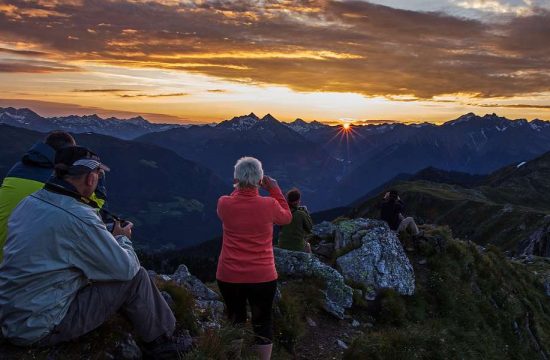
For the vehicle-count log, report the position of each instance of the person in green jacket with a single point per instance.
(293, 236)
(28, 176)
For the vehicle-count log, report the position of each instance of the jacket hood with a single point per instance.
(39, 154)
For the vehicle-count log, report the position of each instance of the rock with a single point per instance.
(422, 262)
(538, 243)
(342, 344)
(310, 322)
(324, 249)
(183, 277)
(167, 298)
(211, 310)
(324, 231)
(355, 323)
(379, 261)
(127, 349)
(547, 287)
(165, 278)
(345, 231)
(338, 296)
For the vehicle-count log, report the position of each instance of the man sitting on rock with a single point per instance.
(391, 212)
(30, 174)
(64, 273)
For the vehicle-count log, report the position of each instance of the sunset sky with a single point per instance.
(204, 61)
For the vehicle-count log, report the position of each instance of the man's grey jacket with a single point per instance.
(56, 245)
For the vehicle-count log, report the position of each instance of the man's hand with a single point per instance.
(269, 183)
(126, 230)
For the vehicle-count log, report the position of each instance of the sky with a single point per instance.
(204, 61)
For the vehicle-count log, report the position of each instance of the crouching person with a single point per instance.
(64, 273)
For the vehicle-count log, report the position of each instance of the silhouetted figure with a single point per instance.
(391, 211)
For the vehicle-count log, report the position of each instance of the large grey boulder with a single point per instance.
(338, 296)
(376, 258)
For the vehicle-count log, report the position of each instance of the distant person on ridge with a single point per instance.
(293, 236)
(30, 174)
(246, 267)
(64, 273)
(391, 211)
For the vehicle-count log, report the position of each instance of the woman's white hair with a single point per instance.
(248, 172)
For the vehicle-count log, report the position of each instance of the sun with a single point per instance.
(346, 126)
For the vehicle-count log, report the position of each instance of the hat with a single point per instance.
(77, 160)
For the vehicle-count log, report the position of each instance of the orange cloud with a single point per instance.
(306, 45)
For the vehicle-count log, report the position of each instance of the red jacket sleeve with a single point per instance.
(281, 211)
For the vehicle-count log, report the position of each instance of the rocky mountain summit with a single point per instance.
(360, 295)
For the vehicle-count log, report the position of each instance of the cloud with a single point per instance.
(34, 67)
(217, 91)
(514, 106)
(103, 90)
(306, 45)
(153, 95)
(22, 52)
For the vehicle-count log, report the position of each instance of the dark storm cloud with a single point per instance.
(342, 46)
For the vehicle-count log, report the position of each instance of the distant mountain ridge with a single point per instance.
(509, 208)
(331, 166)
(121, 128)
(171, 200)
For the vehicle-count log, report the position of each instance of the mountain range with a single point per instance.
(121, 128)
(171, 200)
(341, 165)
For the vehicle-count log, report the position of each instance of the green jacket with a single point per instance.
(292, 236)
(27, 177)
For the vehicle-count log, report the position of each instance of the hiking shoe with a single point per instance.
(168, 347)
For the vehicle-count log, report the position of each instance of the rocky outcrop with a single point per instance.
(294, 264)
(208, 305)
(538, 243)
(375, 259)
(183, 277)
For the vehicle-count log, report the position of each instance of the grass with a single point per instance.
(298, 299)
(183, 306)
(226, 343)
(468, 305)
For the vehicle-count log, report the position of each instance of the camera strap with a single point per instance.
(58, 189)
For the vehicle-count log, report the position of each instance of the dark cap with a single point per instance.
(77, 160)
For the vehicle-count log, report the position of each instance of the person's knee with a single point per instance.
(141, 276)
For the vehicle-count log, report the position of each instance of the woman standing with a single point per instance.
(246, 267)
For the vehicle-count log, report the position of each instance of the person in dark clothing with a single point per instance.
(31, 173)
(293, 236)
(391, 211)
